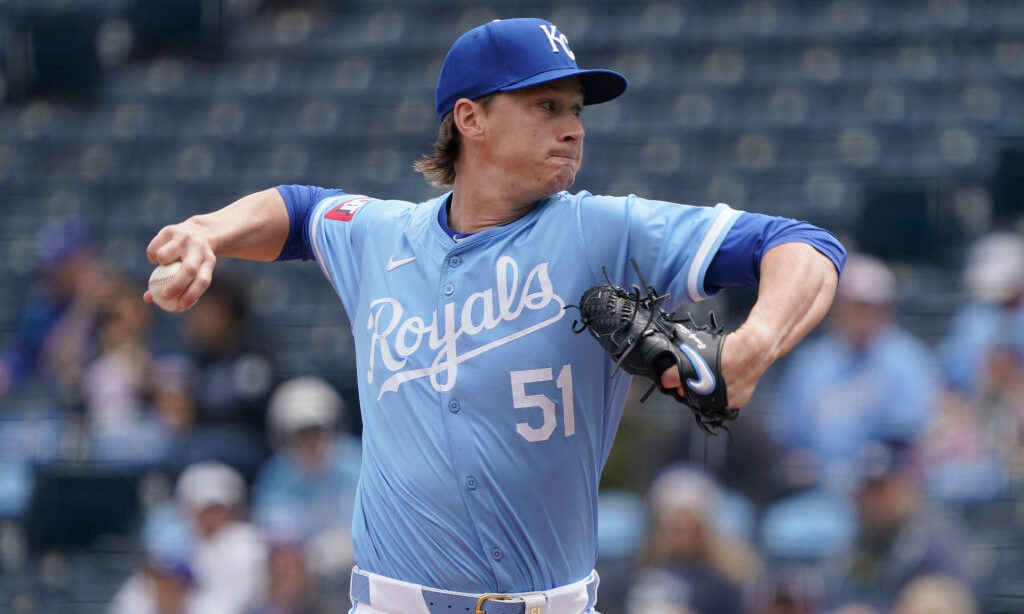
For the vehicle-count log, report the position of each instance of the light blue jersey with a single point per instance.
(487, 421)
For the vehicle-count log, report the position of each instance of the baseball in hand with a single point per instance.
(158, 280)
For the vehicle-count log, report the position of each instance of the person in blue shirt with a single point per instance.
(305, 492)
(56, 333)
(977, 433)
(487, 421)
(993, 316)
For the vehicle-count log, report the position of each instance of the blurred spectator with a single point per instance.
(114, 384)
(900, 538)
(993, 317)
(223, 568)
(864, 379)
(233, 377)
(117, 385)
(173, 386)
(163, 584)
(935, 595)
(691, 566)
(155, 590)
(228, 556)
(976, 443)
(305, 494)
(797, 533)
(1002, 408)
(972, 450)
(788, 590)
(291, 589)
(56, 332)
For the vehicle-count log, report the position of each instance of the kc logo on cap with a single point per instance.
(511, 54)
(550, 31)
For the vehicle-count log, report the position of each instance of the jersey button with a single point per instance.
(471, 483)
(496, 554)
(454, 261)
(449, 288)
(453, 406)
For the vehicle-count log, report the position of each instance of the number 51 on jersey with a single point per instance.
(521, 400)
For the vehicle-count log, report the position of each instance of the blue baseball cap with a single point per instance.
(510, 54)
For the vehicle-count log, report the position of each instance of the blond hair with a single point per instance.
(438, 167)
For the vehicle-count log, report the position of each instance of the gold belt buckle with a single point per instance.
(483, 598)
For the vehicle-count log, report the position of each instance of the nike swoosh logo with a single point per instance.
(705, 382)
(394, 264)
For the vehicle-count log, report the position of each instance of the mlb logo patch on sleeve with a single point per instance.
(345, 210)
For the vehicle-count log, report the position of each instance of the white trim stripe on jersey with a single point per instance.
(701, 261)
(319, 211)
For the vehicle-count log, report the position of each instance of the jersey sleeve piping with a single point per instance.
(584, 247)
(314, 233)
(705, 253)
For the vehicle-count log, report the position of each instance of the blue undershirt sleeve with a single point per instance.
(300, 201)
(738, 260)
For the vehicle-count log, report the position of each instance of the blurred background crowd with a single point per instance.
(206, 462)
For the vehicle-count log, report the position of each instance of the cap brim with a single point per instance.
(598, 85)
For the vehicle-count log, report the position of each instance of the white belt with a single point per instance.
(389, 596)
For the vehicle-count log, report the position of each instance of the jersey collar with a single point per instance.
(443, 203)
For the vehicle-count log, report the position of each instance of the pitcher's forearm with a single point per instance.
(795, 292)
(254, 227)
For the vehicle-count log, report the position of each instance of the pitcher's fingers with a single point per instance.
(147, 297)
(174, 248)
(199, 284)
(157, 244)
(670, 378)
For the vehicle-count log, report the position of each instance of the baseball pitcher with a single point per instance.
(487, 414)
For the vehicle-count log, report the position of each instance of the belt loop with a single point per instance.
(535, 604)
(592, 585)
(359, 587)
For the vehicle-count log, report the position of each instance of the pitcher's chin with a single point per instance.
(563, 179)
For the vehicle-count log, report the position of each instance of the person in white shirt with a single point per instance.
(225, 566)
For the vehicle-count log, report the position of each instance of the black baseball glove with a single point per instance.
(645, 340)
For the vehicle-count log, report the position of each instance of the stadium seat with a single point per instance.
(807, 526)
